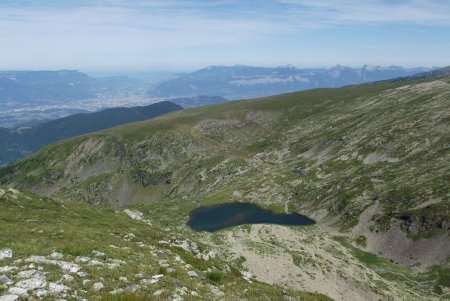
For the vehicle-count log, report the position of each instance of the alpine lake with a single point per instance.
(217, 217)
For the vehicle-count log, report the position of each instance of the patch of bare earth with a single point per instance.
(395, 245)
(309, 259)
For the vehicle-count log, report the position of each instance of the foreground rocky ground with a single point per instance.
(71, 251)
(74, 252)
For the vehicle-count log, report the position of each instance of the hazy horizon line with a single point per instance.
(186, 70)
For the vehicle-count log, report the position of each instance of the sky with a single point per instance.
(175, 35)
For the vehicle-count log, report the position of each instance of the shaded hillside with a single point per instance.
(238, 82)
(17, 143)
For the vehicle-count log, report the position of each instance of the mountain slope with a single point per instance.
(17, 143)
(238, 82)
(369, 163)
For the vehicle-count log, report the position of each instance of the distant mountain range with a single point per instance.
(438, 72)
(59, 86)
(27, 88)
(32, 97)
(44, 86)
(19, 142)
(238, 82)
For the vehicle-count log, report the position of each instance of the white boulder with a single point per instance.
(6, 253)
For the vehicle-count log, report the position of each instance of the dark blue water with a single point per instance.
(214, 218)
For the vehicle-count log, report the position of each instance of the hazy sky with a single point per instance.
(114, 35)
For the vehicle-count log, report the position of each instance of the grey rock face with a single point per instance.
(4, 279)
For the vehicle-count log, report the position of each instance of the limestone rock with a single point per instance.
(95, 263)
(9, 298)
(30, 274)
(6, 253)
(32, 283)
(177, 297)
(137, 215)
(129, 237)
(116, 291)
(158, 292)
(115, 263)
(67, 277)
(183, 291)
(56, 255)
(216, 291)
(18, 291)
(98, 286)
(82, 259)
(139, 275)
(8, 268)
(131, 288)
(157, 277)
(98, 254)
(41, 293)
(56, 289)
(188, 246)
(247, 275)
(82, 274)
(65, 266)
